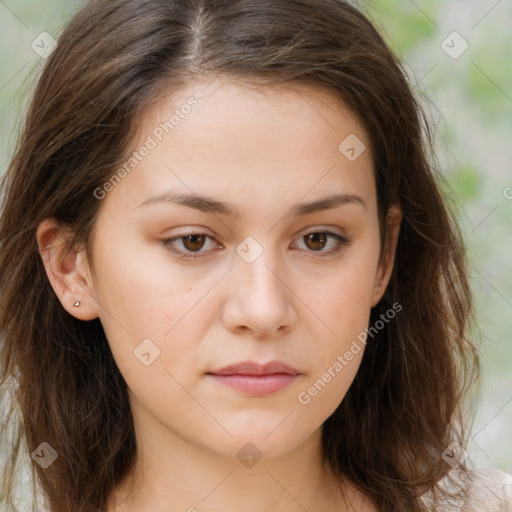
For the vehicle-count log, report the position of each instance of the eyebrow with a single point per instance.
(208, 204)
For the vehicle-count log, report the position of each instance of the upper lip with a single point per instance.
(254, 368)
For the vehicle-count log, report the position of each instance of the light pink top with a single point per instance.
(485, 490)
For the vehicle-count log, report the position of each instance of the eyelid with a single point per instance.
(184, 254)
(341, 240)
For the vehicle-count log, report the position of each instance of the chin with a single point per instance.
(260, 441)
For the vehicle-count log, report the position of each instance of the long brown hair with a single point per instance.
(405, 405)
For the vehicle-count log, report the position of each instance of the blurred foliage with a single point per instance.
(413, 25)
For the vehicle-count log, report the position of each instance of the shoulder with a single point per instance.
(479, 490)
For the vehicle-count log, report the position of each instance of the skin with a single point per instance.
(263, 151)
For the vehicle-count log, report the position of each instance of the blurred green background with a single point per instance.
(468, 95)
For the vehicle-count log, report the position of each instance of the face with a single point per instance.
(282, 264)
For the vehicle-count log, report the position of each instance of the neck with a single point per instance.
(170, 474)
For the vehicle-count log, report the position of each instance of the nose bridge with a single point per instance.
(262, 299)
(258, 265)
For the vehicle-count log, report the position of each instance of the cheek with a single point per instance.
(319, 396)
(338, 350)
(144, 296)
(343, 303)
(342, 297)
(138, 284)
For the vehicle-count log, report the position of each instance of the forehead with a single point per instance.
(306, 110)
(249, 144)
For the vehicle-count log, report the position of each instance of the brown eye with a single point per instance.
(193, 242)
(325, 243)
(191, 245)
(316, 241)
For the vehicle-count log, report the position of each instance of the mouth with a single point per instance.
(256, 379)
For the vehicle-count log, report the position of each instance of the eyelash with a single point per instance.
(342, 241)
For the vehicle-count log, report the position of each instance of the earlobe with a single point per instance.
(67, 270)
(387, 260)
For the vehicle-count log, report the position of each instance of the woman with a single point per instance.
(229, 280)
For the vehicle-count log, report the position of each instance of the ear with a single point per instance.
(387, 259)
(67, 269)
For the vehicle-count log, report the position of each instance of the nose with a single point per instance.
(260, 299)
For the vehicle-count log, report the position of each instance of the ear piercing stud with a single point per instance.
(76, 304)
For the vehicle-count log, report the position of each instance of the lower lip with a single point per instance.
(257, 385)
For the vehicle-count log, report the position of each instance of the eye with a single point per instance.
(193, 243)
(317, 240)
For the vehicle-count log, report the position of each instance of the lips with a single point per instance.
(253, 368)
(256, 379)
